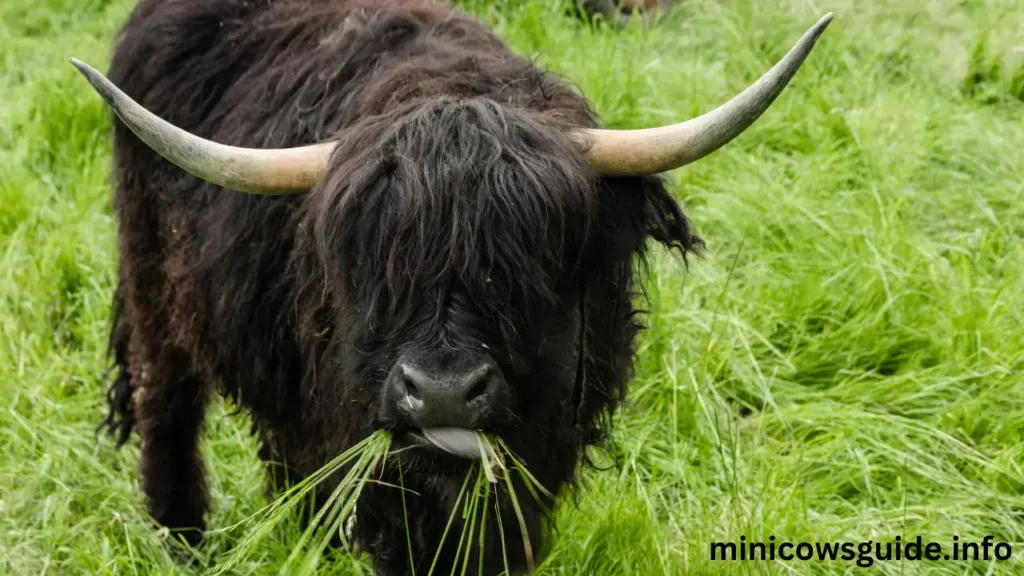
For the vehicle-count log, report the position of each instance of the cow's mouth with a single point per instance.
(461, 442)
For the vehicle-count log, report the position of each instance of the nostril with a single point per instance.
(410, 388)
(411, 381)
(478, 390)
(478, 384)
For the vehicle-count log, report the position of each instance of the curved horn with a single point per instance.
(279, 172)
(653, 150)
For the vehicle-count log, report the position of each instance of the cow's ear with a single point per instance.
(665, 221)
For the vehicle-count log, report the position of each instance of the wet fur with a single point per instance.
(454, 214)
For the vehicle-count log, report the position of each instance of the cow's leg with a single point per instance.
(170, 402)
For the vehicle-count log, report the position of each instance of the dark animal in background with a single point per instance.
(616, 11)
(619, 11)
(403, 225)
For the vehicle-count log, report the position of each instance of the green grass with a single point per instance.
(847, 363)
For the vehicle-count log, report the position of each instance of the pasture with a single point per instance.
(846, 362)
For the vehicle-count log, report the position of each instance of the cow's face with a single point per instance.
(476, 267)
(456, 248)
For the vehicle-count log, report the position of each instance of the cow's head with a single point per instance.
(456, 241)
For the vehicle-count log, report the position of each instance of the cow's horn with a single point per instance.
(283, 171)
(653, 150)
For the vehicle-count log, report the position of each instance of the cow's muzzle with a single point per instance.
(444, 400)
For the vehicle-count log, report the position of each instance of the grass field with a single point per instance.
(846, 363)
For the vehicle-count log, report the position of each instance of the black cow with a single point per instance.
(371, 215)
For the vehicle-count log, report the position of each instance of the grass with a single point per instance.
(847, 363)
(357, 466)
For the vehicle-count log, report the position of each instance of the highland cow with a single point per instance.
(353, 215)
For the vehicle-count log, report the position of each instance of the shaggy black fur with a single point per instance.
(120, 418)
(455, 215)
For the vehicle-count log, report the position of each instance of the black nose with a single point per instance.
(464, 398)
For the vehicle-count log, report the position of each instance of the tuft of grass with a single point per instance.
(359, 464)
(992, 76)
(847, 363)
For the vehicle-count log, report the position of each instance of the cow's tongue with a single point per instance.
(460, 442)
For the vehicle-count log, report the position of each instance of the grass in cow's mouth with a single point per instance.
(478, 499)
(362, 461)
(492, 472)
